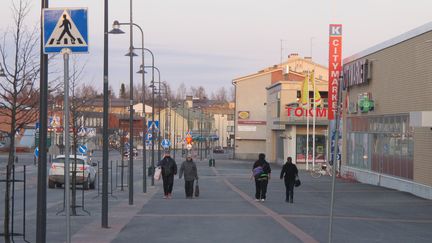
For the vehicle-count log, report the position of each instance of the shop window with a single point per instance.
(320, 148)
(385, 145)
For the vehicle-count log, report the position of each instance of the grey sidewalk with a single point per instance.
(225, 212)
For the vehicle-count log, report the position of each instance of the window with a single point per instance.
(383, 144)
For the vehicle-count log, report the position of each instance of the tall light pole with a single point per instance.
(131, 54)
(41, 206)
(105, 124)
(153, 113)
(116, 30)
(131, 132)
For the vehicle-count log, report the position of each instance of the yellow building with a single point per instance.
(262, 124)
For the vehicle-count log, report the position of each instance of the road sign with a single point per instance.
(166, 143)
(83, 149)
(149, 137)
(189, 146)
(91, 132)
(153, 126)
(82, 131)
(65, 28)
(36, 152)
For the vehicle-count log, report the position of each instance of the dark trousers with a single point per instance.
(168, 182)
(261, 188)
(189, 187)
(289, 186)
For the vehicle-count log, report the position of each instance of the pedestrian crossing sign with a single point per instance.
(65, 28)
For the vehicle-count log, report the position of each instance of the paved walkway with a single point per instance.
(226, 212)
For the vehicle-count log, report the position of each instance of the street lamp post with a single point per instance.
(116, 30)
(153, 113)
(201, 135)
(131, 54)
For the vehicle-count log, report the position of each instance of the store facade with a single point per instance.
(287, 123)
(384, 85)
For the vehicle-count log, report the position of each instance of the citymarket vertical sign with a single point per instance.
(335, 67)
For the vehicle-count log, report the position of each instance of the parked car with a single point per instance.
(126, 152)
(218, 149)
(85, 172)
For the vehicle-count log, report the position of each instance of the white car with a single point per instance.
(85, 172)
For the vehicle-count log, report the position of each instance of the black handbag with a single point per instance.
(297, 181)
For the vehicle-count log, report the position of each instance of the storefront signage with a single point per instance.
(365, 104)
(252, 122)
(356, 73)
(300, 112)
(243, 114)
(335, 67)
(247, 128)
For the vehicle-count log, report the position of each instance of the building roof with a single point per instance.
(292, 58)
(259, 73)
(391, 42)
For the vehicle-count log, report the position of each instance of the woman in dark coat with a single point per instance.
(169, 169)
(289, 173)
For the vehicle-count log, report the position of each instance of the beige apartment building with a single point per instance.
(287, 121)
(388, 88)
(261, 106)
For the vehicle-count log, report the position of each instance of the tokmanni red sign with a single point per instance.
(335, 67)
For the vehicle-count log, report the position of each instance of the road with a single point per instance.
(226, 211)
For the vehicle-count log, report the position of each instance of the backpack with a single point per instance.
(258, 171)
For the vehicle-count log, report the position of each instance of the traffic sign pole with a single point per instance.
(66, 53)
(42, 163)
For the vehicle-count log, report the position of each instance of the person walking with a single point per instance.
(289, 173)
(261, 171)
(189, 169)
(169, 169)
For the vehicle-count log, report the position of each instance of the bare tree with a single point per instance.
(199, 92)
(181, 92)
(123, 94)
(221, 94)
(18, 96)
(232, 94)
(79, 104)
(86, 90)
(111, 92)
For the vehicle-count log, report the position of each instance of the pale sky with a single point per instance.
(209, 43)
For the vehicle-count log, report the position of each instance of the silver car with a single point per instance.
(85, 172)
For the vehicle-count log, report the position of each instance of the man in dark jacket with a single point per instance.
(289, 173)
(261, 172)
(169, 169)
(189, 169)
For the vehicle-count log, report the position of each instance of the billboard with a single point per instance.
(335, 67)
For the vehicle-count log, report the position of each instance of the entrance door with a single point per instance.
(279, 148)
